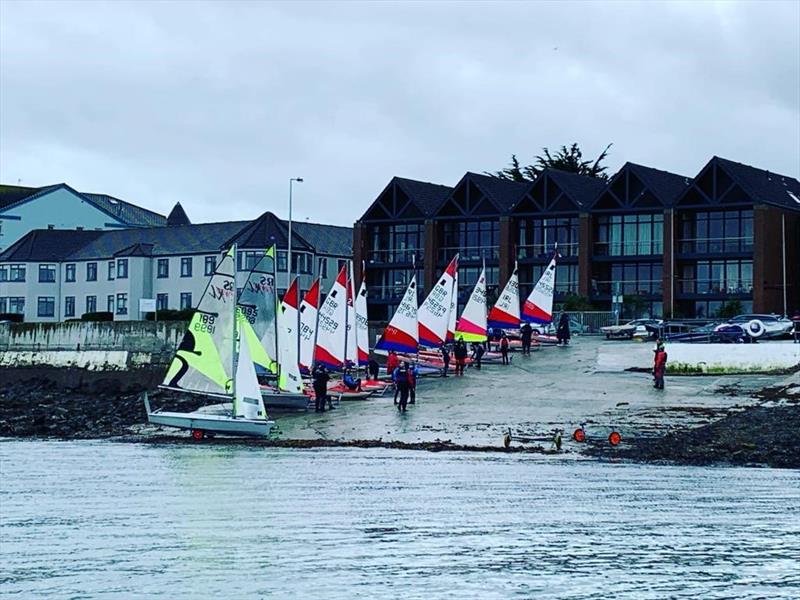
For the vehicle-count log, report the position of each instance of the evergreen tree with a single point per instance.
(565, 159)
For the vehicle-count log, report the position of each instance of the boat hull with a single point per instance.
(287, 400)
(209, 422)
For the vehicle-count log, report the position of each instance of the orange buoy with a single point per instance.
(614, 438)
(579, 435)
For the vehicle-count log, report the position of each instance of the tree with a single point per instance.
(565, 159)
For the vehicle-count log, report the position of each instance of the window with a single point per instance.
(12, 272)
(629, 278)
(110, 303)
(396, 243)
(12, 304)
(91, 304)
(162, 301)
(301, 262)
(69, 272)
(538, 237)
(246, 260)
(91, 271)
(323, 268)
(122, 304)
(112, 267)
(122, 268)
(47, 273)
(629, 235)
(718, 277)
(186, 266)
(162, 268)
(210, 265)
(717, 231)
(281, 260)
(69, 306)
(340, 263)
(474, 240)
(46, 306)
(186, 300)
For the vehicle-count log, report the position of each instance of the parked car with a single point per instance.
(712, 333)
(763, 326)
(648, 327)
(575, 327)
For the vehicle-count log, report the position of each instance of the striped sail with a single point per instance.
(308, 326)
(539, 305)
(401, 333)
(256, 305)
(331, 328)
(289, 373)
(453, 316)
(204, 359)
(352, 330)
(471, 326)
(505, 312)
(362, 326)
(434, 313)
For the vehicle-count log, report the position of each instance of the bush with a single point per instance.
(13, 317)
(169, 314)
(576, 303)
(97, 316)
(730, 309)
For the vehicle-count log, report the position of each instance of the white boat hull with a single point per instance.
(273, 399)
(209, 422)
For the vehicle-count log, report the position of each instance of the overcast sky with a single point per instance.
(217, 105)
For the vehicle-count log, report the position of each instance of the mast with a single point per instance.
(234, 337)
(277, 308)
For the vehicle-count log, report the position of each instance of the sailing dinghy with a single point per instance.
(471, 327)
(538, 308)
(212, 360)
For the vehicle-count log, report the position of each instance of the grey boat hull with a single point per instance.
(288, 400)
(209, 422)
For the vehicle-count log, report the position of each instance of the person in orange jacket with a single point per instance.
(659, 365)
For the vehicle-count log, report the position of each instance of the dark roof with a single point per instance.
(637, 187)
(665, 185)
(581, 189)
(265, 231)
(177, 216)
(764, 186)
(125, 212)
(428, 197)
(504, 193)
(48, 245)
(326, 239)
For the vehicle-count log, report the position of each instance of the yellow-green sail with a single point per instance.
(257, 317)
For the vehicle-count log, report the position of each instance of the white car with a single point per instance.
(763, 326)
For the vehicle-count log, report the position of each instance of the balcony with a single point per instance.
(716, 245)
(633, 248)
(392, 293)
(545, 251)
(715, 286)
(469, 253)
(395, 256)
(629, 287)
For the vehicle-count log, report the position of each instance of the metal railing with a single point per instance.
(465, 253)
(628, 286)
(387, 292)
(633, 248)
(395, 256)
(546, 250)
(715, 245)
(715, 286)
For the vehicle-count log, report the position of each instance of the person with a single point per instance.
(445, 359)
(350, 382)
(460, 352)
(372, 369)
(477, 354)
(504, 348)
(659, 365)
(413, 371)
(562, 333)
(557, 439)
(796, 320)
(392, 362)
(402, 383)
(321, 377)
(526, 332)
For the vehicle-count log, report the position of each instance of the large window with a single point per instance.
(629, 235)
(280, 260)
(12, 304)
(47, 273)
(717, 231)
(718, 277)
(322, 268)
(246, 260)
(302, 262)
(538, 237)
(162, 301)
(628, 279)
(162, 268)
(122, 268)
(91, 271)
(566, 278)
(69, 306)
(468, 277)
(46, 306)
(69, 273)
(186, 300)
(91, 304)
(186, 266)
(122, 304)
(390, 284)
(474, 240)
(396, 243)
(112, 268)
(110, 303)
(210, 265)
(14, 273)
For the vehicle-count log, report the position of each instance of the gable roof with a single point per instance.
(479, 195)
(426, 196)
(637, 186)
(48, 245)
(504, 193)
(406, 199)
(177, 216)
(559, 191)
(125, 212)
(265, 231)
(326, 239)
(765, 186)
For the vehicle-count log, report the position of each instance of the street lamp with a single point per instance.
(289, 256)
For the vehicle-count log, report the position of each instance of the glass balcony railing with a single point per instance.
(387, 292)
(633, 248)
(465, 253)
(628, 287)
(715, 286)
(717, 245)
(545, 251)
(406, 255)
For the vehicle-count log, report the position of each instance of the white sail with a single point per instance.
(352, 329)
(362, 325)
(331, 328)
(257, 302)
(434, 313)
(538, 307)
(401, 333)
(204, 359)
(471, 327)
(453, 316)
(289, 379)
(247, 401)
(505, 312)
(308, 325)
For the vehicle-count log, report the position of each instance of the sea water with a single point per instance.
(117, 520)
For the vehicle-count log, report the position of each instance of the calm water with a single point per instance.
(108, 520)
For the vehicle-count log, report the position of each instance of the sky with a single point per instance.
(217, 105)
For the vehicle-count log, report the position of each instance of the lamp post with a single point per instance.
(289, 253)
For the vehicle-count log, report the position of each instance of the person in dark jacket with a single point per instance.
(372, 369)
(321, 378)
(562, 332)
(445, 359)
(477, 354)
(352, 384)
(504, 348)
(413, 371)
(659, 365)
(796, 320)
(402, 374)
(526, 332)
(460, 352)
